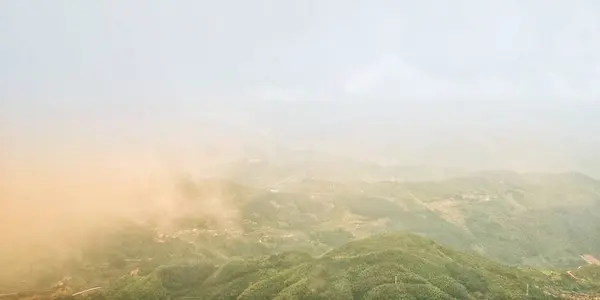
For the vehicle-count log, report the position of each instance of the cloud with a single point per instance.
(371, 77)
(393, 78)
(278, 93)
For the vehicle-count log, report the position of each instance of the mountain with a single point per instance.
(543, 220)
(397, 266)
(289, 165)
(526, 137)
(546, 221)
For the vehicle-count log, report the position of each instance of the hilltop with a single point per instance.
(394, 266)
(546, 221)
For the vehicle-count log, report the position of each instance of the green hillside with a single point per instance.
(397, 266)
(535, 220)
(520, 220)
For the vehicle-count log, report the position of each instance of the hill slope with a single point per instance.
(398, 266)
(524, 219)
(544, 221)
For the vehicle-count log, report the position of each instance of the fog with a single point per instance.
(103, 105)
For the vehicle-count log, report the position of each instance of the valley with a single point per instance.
(524, 223)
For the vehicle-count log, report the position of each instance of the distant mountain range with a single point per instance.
(533, 137)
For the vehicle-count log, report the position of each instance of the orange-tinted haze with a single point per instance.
(54, 203)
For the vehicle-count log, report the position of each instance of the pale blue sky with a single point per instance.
(154, 71)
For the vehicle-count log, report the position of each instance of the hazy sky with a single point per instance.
(95, 95)
(435, 73)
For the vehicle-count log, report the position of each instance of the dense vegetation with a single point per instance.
(295, 240)
(398, 266)
(535, 220)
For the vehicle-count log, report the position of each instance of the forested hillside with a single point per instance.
(518, 220)
(397, 266)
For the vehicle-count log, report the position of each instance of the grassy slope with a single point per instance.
(398, 266)
(545, 221)
(536, 220)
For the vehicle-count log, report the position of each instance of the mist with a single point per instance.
(104, 105)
